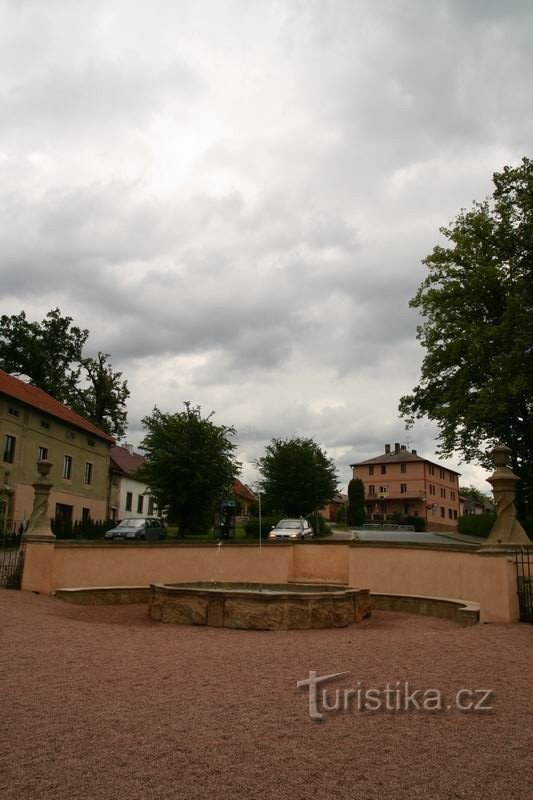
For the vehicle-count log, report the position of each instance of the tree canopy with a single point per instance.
(190, 466)
(297, 477)
(50, 354)
(477, 300)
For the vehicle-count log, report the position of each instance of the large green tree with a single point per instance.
(477, 300)
(297, 477)
(50, 354)
(190, 466)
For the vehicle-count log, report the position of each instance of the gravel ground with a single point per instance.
(102, 703)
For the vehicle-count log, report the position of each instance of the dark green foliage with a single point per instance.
(356, 502)
(190, 466)
(322, 529)
(473, 494)
(477, 300)
(419, 523)
(90, 529)
(297, 477)
(50, 354)
(476, 524)
(251, 527)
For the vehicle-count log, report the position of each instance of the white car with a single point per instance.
(291, 529)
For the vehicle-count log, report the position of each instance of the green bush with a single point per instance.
(88, 529)
(419, 523)
(476, 524)
(251, 527)
(323, 527)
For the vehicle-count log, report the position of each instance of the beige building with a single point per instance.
(400, 482)
(36, 427)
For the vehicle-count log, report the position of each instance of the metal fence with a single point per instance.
(524, 579)
(11, 562)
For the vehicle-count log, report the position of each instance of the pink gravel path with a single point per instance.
(104, 704)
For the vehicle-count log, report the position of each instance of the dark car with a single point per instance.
(144, 528)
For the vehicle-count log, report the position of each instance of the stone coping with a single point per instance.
(92, 543)
(466, 612)
(275, 591)
(104, 595)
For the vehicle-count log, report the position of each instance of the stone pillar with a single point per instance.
(39, 528)
(506, 530)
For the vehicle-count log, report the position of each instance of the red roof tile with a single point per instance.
(126, 462)
(36, 398)
(242, 491)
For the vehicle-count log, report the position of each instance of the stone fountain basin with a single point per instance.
(254, 606)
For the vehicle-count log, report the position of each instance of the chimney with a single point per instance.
(413, 452)
(403, 447)
(387, 449)
(396, 447)
(128, 447)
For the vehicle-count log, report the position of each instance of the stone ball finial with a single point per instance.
(44, 467)
(501, 455)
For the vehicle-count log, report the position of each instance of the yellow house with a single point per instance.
(36, 427)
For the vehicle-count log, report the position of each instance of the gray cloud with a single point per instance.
(235, 198)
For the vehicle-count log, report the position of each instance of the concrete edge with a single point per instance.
(465, 612)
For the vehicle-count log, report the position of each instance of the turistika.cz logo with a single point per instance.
(398, 697)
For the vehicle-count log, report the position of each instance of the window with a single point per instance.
(42, 454)
(13, 412)
(443, 492)
(403, 467)
(85, 514)
(45, 424)
(383, 490)
(140, 502)
(9, 448)
(88, 475)
(442, 473)
(371, 470)
(452, 495)
(442, 511)
(70, 435)
(383, 469)
(67, 467)
(431, 489)
(115, 480)
(129, 501)
(403, 488)
(90, 442)
(450, 513)
(431, 469)
(372, 489)
(150, 505)
(406, 509)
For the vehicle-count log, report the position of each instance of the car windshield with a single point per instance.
(289, 523)
(131, 523)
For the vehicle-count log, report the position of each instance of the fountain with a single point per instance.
(258, 606)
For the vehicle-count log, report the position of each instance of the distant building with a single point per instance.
(336, 509)
(34, 426)
(467, 505)
(129, 496)
(244, 496)
(400, 482)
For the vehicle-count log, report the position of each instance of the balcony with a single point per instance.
(380, 497)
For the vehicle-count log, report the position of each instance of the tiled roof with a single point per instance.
(126, 462)
(36, 398)
(242, 491)
(400, 457)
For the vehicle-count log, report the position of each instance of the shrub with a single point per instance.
(476, 524)
(323, 527)
(251, 527)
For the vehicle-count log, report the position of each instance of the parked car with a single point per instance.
(291, 529)
(145, 528)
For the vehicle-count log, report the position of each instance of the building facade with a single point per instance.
(36, 427)
(129, 496)
(402, 483)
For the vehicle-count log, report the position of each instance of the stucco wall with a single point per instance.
(488, 579)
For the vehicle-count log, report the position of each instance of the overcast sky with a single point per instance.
(235, 196)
